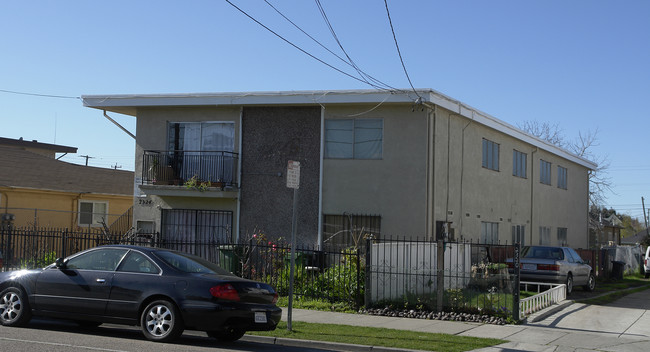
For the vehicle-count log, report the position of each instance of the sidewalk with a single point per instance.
(621, 326)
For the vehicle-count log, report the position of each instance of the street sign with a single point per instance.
(293, 174)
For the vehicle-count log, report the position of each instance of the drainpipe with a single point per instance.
(532, 193)
(118, 125)
(4, 194)
(320, 179)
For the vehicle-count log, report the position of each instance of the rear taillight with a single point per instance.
(549, 267)
(225, 291)
(275, 298)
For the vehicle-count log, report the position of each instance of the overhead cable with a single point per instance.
(399, 52)
(39, 95)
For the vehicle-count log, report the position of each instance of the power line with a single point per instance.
(398, 51)
(292, 44)
(39, 95)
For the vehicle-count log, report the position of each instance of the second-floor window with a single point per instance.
(93, 213)
(490, 155)
(519, 163)
(354, 138)
(561, 177)
(544, 172)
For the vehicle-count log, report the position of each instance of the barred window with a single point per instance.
(349, 229)
(544, 236)
(562, 236)
(489, 232)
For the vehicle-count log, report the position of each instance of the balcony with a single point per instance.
(176, 167)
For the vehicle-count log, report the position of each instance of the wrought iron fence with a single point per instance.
(175, 167)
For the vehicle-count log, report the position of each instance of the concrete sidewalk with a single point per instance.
(621, 326)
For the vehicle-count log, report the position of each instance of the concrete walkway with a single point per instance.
(621, 326)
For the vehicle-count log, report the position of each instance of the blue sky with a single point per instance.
(581, 64)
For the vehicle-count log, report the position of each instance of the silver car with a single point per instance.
(561, 265)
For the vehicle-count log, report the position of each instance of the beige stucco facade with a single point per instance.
(430, 172)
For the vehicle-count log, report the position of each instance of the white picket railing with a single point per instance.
(555, 294)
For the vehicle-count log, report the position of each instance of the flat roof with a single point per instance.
(128, 104)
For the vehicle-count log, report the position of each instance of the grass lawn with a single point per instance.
(379, 337)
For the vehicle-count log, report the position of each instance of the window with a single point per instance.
(561, 236)
(92, 213)
(136, 262)
(544, 236)
(489, 232)
(100, 259)
(544, 172)
(490, 155)
(519, 233)
(519, 163)
(561, 177)
(203, 149)
(354, 138)
(346, 230)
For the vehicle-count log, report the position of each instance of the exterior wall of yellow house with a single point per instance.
(58, 209)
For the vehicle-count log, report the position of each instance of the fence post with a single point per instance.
(357, 298)
(368, 287)
(440, 273)
(515, 290)
(64, 245)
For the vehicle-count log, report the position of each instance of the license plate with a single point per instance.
(260, 317)
(529, 267)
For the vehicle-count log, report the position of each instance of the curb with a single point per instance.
(330, 346)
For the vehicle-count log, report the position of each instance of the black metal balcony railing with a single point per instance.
(176, 167)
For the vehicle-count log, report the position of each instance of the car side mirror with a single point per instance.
(60, 263)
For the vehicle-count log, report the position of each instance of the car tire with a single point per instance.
(569, 284)
(14, 307)
(161, 321)
(227, 335)
(591, 283)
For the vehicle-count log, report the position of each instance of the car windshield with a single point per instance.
(543, 253)
(189, 263)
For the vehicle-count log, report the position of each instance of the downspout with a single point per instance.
(430, 217)
(118, 125)
(462, 172)
(320, 179)
(4, 194)
(239, 162)
(532, 193)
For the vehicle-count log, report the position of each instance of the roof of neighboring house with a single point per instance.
(37, 145)
(637, 238)
(129, 104)
(25, 169)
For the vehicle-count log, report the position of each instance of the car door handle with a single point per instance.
(101, 281)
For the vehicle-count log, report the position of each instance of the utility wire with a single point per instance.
(398, 51)
(39, 95)
(326, 48)
(292, 44)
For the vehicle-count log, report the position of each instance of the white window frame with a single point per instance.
(96, 215)
(490, 154)
(562, 236)
(519, 163)
(562, 176)
(545, 168)
(351, 139)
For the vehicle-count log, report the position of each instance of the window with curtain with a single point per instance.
(490, 155)
(562, 236)
(489, 232)
(203, 149)
(544, 236)
(354, 138)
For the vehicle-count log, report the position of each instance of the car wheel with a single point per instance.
(14, 307)
(569, 284)
(591, 284)
(227, 335)
(161, 321)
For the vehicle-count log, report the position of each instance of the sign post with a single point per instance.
(293, 181)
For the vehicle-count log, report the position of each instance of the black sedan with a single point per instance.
(162, 291)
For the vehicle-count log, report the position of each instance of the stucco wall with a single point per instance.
(272, 137)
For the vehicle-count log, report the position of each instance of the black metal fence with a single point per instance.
(177, 167)
(458, 276)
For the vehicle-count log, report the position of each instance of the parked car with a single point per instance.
(162, 291)
(646, 263)
(561, 265)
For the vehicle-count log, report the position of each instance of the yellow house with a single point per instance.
(36, 190)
